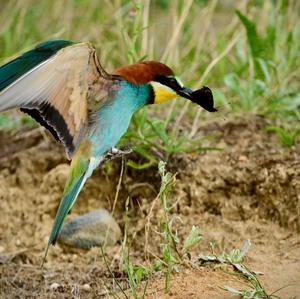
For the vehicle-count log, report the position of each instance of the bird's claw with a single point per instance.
(115, 153)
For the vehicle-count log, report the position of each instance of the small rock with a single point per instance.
(54, 286)
(243, 159)
(86, 287)
(92, 229)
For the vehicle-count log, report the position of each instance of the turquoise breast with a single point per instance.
(114, 116)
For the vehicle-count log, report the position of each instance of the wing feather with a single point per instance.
(60, 93)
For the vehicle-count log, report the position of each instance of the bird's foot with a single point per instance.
(115, 153)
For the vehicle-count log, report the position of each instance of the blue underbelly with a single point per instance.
(113, 118)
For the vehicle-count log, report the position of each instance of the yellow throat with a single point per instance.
(162, 93)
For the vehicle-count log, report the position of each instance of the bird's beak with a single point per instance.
(185, 93)
(202, 97)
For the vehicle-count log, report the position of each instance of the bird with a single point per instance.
(63, 86)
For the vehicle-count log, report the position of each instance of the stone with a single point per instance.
(89, 230)
(54, 286)
(86, 287)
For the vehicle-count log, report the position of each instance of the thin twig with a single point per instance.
(207, 70)
(176, 32)
(147, 226)
(119, 186)
(112, 274)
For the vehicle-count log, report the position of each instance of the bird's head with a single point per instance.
(166, 86)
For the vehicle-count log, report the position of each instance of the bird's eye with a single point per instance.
(173, 82)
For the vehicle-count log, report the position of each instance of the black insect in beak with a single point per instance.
(202, 97)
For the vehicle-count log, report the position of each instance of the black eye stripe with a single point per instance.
(168, 81)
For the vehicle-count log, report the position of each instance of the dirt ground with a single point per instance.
(248, 190)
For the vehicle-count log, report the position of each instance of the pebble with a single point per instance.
(89, 230)
(54, 286)
(86, 287)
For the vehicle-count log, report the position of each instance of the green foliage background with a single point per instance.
(248, 52)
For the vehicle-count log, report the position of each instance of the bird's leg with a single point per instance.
(115, 153)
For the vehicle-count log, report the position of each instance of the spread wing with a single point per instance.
(59, 92)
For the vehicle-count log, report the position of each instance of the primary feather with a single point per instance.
(16, 68)
(60, 91)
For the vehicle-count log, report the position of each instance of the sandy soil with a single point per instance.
(248, 190)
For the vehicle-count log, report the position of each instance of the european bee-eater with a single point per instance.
(62, 85)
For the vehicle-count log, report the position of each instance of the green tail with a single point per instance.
(64, 207)
(16, 68)
(79, 170)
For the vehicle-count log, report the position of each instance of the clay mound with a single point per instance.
(248, 190)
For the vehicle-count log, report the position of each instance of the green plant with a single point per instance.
(8, 121)
(171, 254)
(287, 137)
(235, 258)
(152, 140)
(135, 273)
(173, 249)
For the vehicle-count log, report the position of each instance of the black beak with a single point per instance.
(202, 97)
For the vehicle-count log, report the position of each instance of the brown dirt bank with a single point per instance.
(249, 190)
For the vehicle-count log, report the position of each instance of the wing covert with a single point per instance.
(60, 93)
